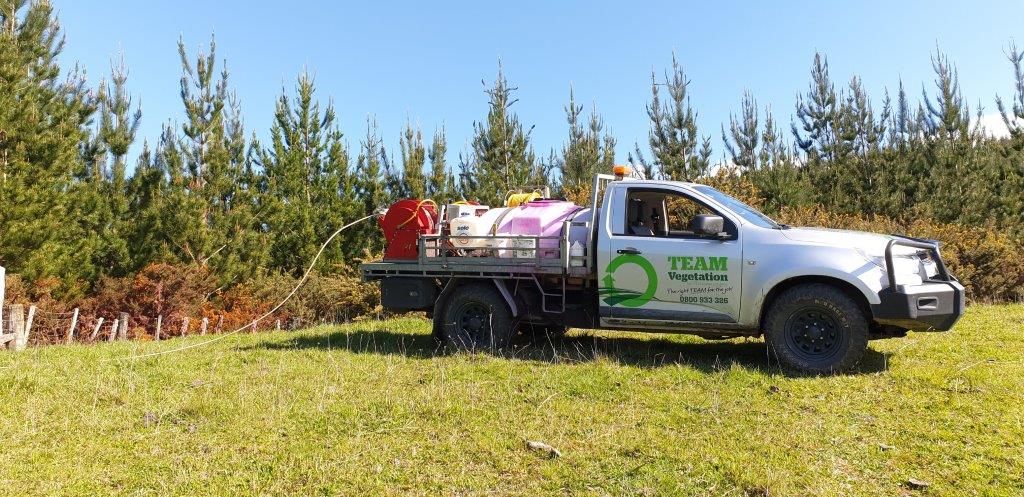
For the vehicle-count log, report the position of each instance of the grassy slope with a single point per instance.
(369, 408)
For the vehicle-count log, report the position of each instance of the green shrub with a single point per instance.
(324, 298)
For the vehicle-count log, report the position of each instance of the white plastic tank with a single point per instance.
(579, 234)
(455, 211)
(464, 227)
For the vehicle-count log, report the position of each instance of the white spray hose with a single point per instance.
(291, 294)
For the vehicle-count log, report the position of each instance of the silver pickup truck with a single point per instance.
(674, 257)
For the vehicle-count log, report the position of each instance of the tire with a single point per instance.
(476, 317)
(816, 328)
(437, 328)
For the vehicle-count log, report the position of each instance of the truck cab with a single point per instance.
(677, 257)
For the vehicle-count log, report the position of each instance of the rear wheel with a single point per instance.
(476, 317)
(816, 328)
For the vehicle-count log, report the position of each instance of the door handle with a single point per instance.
(629, 250)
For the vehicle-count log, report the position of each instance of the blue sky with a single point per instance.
(425, 60)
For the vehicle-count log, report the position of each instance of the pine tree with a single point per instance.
(544, 170)
(948, 118)
(642, 168)
(1012, 178)
(868, 131)
(371, 183)
(817, 113)
(394, 183)
(826, 134)
(589, 149)
(778, 179)
(902, 127)
(467, 186)
(203, 155)
(608, 142)
(673, 136)
(167, 195)
(43, 125)
(118, 126)
(217, 209)
(146, 191)
(861, 134)
(900, 166)
(949, 150)
(742, 142)
(502, 159)
(441, 184)
(414, 182)
(763, 158)
(1013, 114)
(305, 169)
(346, 200)
(773, 149)
(578, 154)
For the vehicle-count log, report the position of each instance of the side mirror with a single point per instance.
(708, 226)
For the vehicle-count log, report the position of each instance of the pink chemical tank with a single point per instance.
(536, 218)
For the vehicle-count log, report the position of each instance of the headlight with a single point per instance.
(929, 268)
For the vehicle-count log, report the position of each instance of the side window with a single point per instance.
(661, 213)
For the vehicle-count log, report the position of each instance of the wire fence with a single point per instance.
(44, 326)
(22, 325)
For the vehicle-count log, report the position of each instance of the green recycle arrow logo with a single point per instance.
(629, 298)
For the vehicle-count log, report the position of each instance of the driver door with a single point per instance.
(659, 272)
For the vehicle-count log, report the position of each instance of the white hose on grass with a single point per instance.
(291, 294)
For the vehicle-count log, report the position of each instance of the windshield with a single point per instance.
(745, 211)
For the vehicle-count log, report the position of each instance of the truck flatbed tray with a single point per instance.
(435, 259)
(472, 266)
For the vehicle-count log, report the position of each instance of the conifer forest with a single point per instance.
(216, 219)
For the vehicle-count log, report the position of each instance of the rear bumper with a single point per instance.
(931, 306)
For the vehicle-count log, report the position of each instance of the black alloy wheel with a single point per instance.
(813, 334)
(476, 317)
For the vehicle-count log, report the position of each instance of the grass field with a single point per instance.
(372, 408)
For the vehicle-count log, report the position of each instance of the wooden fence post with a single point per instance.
(21, 343)
(278, 325)
(96, 330)
(184, 326)
(159, 324)
(71, 329)
(15, 326)
(122, 331)
(113, 331)
(254, 326)
(202, 329)
(220, 323)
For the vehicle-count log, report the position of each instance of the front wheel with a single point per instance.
(476, 317)
(816, 328)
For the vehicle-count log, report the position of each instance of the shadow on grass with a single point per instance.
(654, 352)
